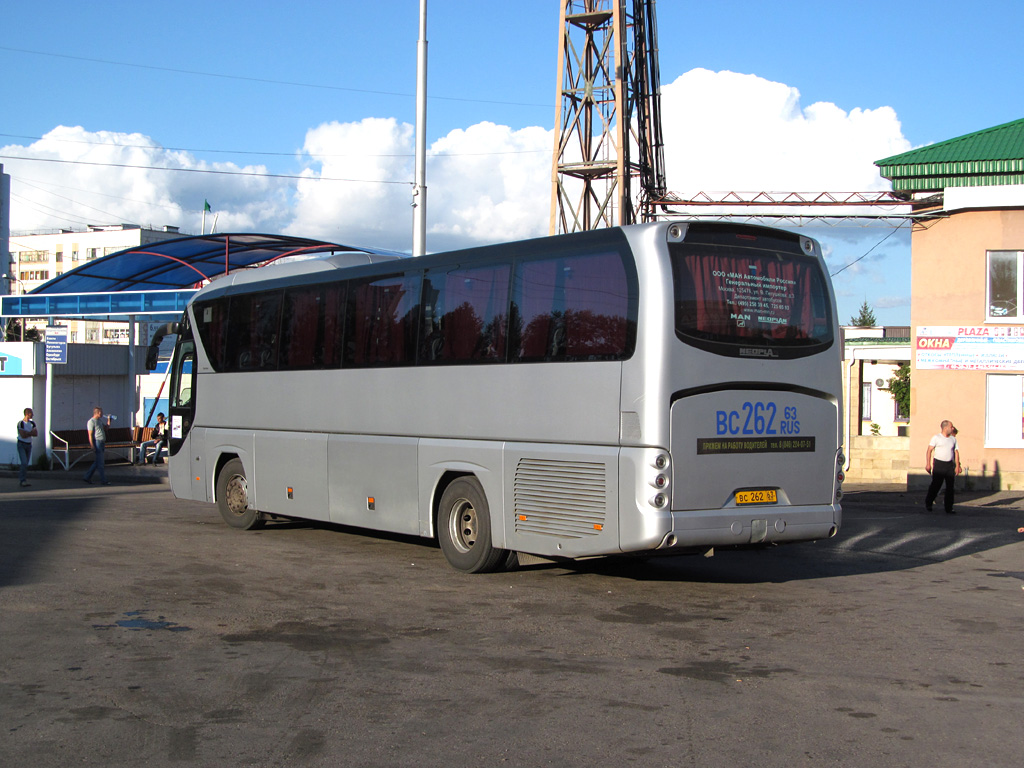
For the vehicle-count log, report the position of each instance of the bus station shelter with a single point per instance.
(150, 283)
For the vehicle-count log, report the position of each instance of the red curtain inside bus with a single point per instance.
(747, 296)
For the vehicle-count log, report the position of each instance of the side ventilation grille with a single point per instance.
(566, 499)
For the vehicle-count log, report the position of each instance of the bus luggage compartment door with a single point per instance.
(736, 447)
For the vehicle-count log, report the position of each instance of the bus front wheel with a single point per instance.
(233, 498)
(464, 528)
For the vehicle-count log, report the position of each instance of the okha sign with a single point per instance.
(969, 348)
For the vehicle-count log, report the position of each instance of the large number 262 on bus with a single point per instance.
(663, 388)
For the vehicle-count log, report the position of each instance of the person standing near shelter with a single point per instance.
(26, 431)
(942, 461)
(98, 440)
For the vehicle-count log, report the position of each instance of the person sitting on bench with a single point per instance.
(158, 442)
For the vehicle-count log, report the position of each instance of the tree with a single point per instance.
(866, 318)
(899, 388)
(14, 332)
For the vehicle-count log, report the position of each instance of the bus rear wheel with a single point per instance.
(464, 528)
(233, 498)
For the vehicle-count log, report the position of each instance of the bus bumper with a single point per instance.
(745, 526)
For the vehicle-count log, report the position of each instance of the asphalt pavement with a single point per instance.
(136, 628)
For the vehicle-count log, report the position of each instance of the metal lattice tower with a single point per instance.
(608, 164)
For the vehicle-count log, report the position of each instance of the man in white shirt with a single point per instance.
(942, 461)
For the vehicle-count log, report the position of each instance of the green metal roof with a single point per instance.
(992, 157)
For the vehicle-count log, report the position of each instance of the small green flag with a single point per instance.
(206, 206)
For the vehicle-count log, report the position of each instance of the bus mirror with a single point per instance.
(154, 344)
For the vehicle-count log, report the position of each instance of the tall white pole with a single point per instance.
(419, 192)
(48, 410)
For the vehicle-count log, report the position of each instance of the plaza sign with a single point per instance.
(969, 348)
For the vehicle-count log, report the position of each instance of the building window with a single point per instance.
(1004, 411)
(865, 401)
(898, 411)
(1005, 283)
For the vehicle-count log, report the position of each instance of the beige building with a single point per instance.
(967, 300)
(871, 357)
(877, 445)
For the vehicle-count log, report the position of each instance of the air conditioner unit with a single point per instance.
(880, 383)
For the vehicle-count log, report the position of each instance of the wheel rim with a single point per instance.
(237, 495)
(463, 525)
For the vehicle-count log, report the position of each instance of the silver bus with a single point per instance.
(664, 387)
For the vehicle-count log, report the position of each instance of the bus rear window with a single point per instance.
(733, 298)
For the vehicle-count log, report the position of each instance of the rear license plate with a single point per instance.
(765, 496)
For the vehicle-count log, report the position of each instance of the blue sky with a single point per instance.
(789, 96)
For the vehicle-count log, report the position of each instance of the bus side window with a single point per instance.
(211, 321)
(534, 306)
(266, 330)
(182, 385)
(571, 308)
(596, 307)
(432, 307)
(255, 322)
(330, 342)
(381, 320)
(465, 319)
(302, 318)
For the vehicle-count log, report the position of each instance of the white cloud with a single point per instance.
(725, 131)
(489, 184)
(80, 177)
(356, 188)
(892, 302)
(486, 183)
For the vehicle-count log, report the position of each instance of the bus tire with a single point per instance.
(233, 498)
(464, 528)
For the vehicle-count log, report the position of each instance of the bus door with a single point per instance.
(181, 412)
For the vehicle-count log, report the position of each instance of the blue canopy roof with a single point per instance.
(183, 262)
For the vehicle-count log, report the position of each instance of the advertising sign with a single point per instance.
(970, 348)
(17, 359)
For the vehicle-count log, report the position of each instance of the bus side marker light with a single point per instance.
(598, 527)
(522, 518)
(371, 503)
(291, 493)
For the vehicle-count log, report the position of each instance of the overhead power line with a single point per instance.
(361, 155)
(269, 81)
(200, 170)
(894, 231)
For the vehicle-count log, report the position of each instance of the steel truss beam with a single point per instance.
(608, 120)
(799, 208)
